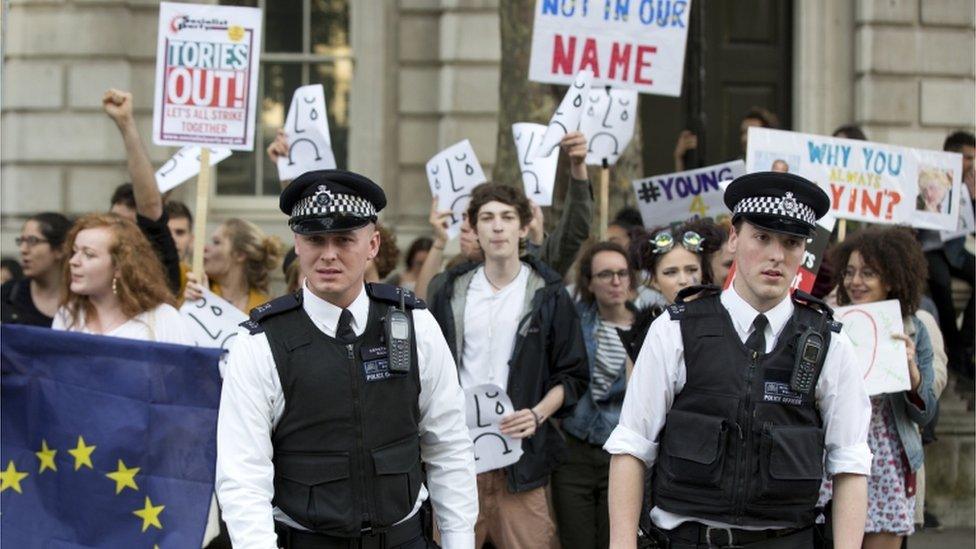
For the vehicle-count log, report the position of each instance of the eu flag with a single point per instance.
(106, 442)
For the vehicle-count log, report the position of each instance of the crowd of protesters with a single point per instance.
(125, 271)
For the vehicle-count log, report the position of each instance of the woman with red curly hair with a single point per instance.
(114, 284)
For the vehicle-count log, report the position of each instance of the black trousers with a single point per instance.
(579, 495)
(952, 260)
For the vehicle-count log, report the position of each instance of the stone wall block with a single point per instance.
(469, 89)
(948, 102)
(419, 89)
(470, 36)
(886, 50)
(949, 12)
(886, 11)
(87, 82)
(418, 140)
(51, 30)
(888, 100)
(30, 189)
(480, 130)
(419, 37)
(90, 187)
(946, 51)
(32, 85)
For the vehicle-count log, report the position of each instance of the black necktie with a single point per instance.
(344, 331)
(757, 339)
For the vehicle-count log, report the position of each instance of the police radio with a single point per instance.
(398, 338)
(810, 352)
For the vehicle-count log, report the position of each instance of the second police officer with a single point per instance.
(340, 395)
(740, 398)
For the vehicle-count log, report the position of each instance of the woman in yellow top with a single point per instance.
(238, 262)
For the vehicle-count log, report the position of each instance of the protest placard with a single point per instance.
(633, 44)
(212, 320)
(568, 114)
(185, 164)
(674, 198)
(206, 75)
(452, 173)
(967, 218)
(608, 124)
(869, 327)
(867, 181)
(307, 130)
(485, 407)
(538, 172)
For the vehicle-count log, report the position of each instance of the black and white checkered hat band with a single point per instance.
(785, 206)
(336, 204)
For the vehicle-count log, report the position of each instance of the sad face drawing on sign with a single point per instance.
(568, 115)
(538, 172)
(608, 123)
(452, 173)
(307, 128)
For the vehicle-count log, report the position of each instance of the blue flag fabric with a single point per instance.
(105, 442)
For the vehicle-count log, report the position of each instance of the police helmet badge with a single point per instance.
(323, 196)
(789, 204)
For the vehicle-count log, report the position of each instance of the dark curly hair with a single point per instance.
(488, 192)
(897, 257)
(584, 268)
(642, 249)
(386, 258)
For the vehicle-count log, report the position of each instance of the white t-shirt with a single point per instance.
(490, 324)
(164, 324)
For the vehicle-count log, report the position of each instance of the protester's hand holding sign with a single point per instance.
(194, 287)
(439, 220)
(574, 145)
(914, 374)
(279, 147)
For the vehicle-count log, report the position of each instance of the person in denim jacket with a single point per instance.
(877, 264)
(606, 280)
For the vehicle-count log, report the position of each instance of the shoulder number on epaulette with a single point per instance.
(835, 326)
(677, 311)
(252, 326)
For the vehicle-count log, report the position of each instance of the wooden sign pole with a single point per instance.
(200, 221)
(841, 230)
(604, 199)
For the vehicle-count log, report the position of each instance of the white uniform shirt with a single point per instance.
(490, 323)
(659, 374)
(252, 402)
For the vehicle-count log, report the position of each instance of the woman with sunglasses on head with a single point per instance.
(605, 280)
(34, 299)
(877, 264)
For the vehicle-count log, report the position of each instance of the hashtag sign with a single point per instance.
(648, 192)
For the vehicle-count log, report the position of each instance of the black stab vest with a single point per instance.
(739, 446)
(347, 447)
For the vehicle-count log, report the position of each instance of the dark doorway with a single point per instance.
(739, 55)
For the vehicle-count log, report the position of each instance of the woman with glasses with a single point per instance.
(877, 264)
(34, 298)
(605, 280)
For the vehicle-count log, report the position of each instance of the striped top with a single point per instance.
(608, 363)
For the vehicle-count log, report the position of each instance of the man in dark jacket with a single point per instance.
(510, 322)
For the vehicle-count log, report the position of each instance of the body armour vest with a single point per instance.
(347, 446)
(739, 445)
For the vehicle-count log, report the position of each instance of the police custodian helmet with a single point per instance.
(331, 201)
(779, 202)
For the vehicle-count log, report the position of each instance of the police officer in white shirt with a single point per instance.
(338, 394)
(739, 399)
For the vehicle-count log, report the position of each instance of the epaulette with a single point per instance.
(835, 326)
(701, 290)
(392, 294)
(800, 296)
(274, 307)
